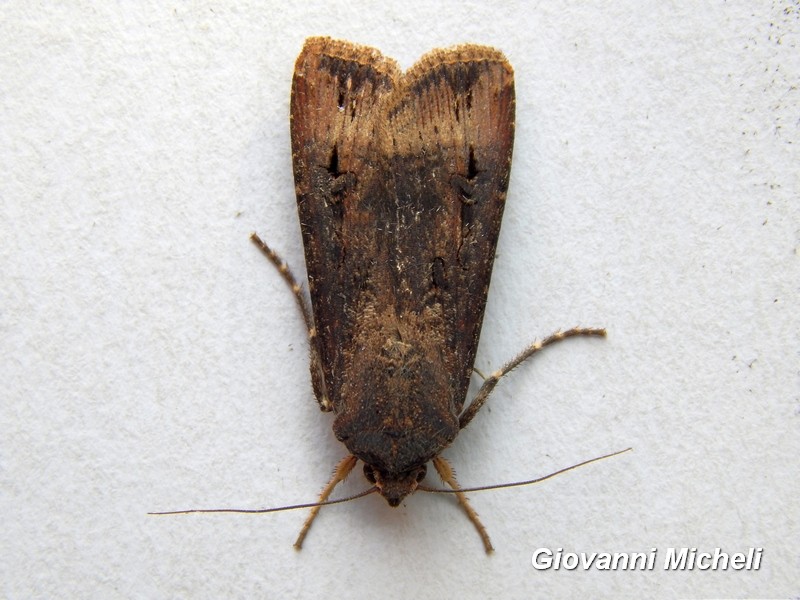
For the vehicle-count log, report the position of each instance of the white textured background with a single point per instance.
(152, 359)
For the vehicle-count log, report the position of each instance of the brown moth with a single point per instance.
(401, 183)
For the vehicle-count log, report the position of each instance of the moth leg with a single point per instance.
(449, 477)
(317, 380)
(339, 474)
(491, 381)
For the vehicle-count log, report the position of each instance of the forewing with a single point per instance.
(337, 118)
(451, 124)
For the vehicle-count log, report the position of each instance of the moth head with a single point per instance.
(395, 486)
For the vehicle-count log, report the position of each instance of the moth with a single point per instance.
(401, 181)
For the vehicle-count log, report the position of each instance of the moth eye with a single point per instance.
(422, 472)
(369, 473)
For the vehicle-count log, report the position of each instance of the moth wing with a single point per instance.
(451, 124)
(337, 122)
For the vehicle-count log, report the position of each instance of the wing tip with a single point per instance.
(461, 53)
(348, 51)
